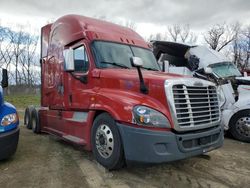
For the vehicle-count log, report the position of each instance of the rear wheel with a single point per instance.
(106, 142)
(35, 124)
(240, 126)
(27, 117)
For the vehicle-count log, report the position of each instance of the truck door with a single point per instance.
(78, 81)
(54, 85)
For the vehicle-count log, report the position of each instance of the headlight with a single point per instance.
(8, 119)
(145, 116)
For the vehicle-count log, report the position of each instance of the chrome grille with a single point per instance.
(195, 106)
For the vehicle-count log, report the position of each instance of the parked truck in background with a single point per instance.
(208, 64)
(102, 88)
(9, 129)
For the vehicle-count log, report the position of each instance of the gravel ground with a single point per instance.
(45, 161)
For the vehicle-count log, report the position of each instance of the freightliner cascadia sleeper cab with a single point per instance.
(103, 89)
(9, 129)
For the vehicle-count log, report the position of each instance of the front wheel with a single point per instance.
(106, 142)
(239, 126)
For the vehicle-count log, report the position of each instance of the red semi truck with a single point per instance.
(102, 88)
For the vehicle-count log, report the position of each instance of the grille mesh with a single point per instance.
(195, 105)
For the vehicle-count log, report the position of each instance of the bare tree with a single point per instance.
(130, 24)
(192, 38)
(243, 48)
(180, 33)
(18, 54)
(246, 34)
(174, 32)
(236, 44)
(156, 36)
(28, 59)
(17, 40)
(6, 55)
(220, 35)
(2, 45)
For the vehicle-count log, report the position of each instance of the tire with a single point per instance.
(27, 117)
(106, 142)
(239, 126)
(35, 124)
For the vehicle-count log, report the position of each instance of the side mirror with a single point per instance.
(4, 78)
(136, 62)
(208, 70)
(68, 55)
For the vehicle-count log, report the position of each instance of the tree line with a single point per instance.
(18, 48)
(18, 54)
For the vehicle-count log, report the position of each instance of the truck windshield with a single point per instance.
(225, 69)
(114, 55)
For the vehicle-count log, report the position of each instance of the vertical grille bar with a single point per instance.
(195, 106)
(188, 104)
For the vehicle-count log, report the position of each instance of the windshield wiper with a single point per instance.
(116, 64)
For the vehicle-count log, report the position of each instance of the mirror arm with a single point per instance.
(143, 87)
(163, 66)
(138, 63)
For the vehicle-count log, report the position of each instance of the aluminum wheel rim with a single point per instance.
(243, 126)
(104, 141)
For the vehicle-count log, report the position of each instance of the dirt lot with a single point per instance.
(44, 161)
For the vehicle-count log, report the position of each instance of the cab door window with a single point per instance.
(81, 59)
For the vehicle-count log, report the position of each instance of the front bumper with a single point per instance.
(146, 146)
(8, 143)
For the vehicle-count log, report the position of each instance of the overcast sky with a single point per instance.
(150, 16)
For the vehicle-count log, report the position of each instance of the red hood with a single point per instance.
(128, 80)
(150, 77)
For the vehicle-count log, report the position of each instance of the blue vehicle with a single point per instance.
(9, 123)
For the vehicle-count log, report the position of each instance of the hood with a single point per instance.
(131, 76)
(206, 56)
(128, 80)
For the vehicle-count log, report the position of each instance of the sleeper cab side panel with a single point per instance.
(71, 126)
